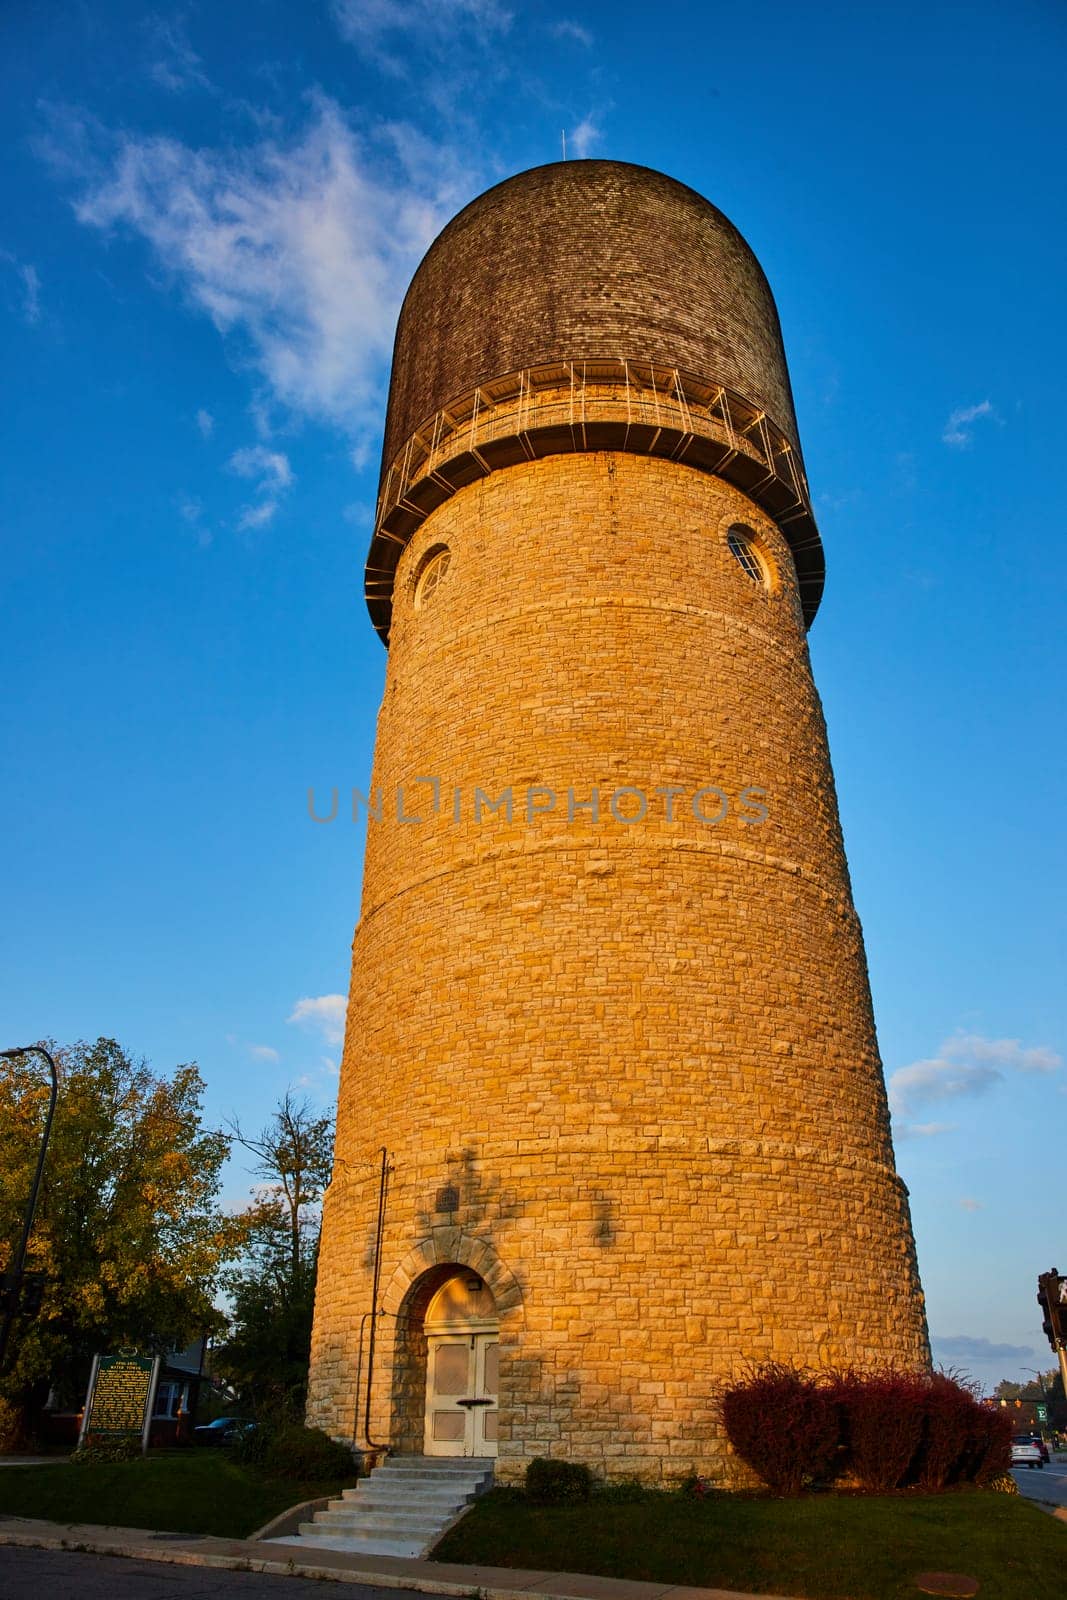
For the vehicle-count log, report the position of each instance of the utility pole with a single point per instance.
(13, 1279)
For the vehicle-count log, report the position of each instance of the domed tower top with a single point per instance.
(588, 305)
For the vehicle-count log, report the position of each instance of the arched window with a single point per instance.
(743, 548)
(431, 577)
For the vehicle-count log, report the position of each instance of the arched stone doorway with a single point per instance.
(447, 1256)
(462, 1368)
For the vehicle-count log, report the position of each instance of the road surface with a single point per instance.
(63, 1574)
(1043, 1483)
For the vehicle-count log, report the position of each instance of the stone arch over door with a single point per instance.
(409, 1292)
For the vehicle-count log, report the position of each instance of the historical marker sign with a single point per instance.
(122, 1389)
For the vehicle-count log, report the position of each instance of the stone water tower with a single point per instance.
(609, 1015)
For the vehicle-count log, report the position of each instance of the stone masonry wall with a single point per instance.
(642, 1052)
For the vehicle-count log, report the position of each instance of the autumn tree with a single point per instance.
(1049, 1386)
(266, 1355)
(128, 1231)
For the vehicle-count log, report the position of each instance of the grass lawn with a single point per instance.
(196, 1491)
(825, 1547)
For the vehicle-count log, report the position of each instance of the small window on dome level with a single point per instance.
(431, 577)
(747, 557)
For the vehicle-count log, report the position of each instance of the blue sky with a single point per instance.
(211, 214)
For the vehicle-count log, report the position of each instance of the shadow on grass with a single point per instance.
(819, 1547)
(195, 1492)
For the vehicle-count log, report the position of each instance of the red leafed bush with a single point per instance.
(890, 1429)
(989, 1445)
(883, 1416)
(784, 1424)
(950, 1418)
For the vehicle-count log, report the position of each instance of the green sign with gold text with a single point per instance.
(121, 1392)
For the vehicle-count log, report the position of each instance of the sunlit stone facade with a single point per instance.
(609, 1010)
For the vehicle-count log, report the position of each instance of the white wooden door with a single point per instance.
(462, 1381)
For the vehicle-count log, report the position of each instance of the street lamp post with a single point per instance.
(13, 1278)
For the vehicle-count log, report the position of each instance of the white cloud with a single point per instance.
(367, 23)
(324, 1012)
(205, 422)
(966, 1065)
(958, 428)
(270, 467)
(921, 1130)
(263, 1052)
(572, 30)
(968, 1347)
(29, 285)
(1008, 1053)
(191, 511)
(582, 138)
(935, 1080)
(257, 516)
(272, 474)
(359, 512)
(967, 1204)
(175, 65)
(298, 251)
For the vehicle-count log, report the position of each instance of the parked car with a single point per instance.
(1024, 1452)
(224, 1430)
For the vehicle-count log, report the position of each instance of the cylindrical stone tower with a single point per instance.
(609, 1011)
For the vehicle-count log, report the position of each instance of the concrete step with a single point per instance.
(406, 1548)
(391, 1527)
(407, 1475)
(397, 1527)
(418, 1488)
(370, 1493)
(402, 1508)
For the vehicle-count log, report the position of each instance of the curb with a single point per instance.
(288, 1522)
(139, 1545)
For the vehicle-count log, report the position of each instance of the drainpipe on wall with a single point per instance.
(373, 1444)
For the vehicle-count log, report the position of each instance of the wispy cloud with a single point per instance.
(967, 1204)
(965, 1066)
(321, 1080)
(958, 429)
(256, 516)
(566, 29)
(383, 28)
(299, 251)
(921, 1130)
(191, 510)
(580, 140)
(205, 422)
(272, 475)
(29, 287)
(325, 1013)
(263, 1052)
(175, 65)
(270, 467)
(970, 1347)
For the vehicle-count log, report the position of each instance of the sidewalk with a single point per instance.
(386, 1572)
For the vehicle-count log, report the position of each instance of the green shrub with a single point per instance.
(98, 1449)
(623, 1491)
(554, 1483)
(250, 1447)
(306, 1454)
